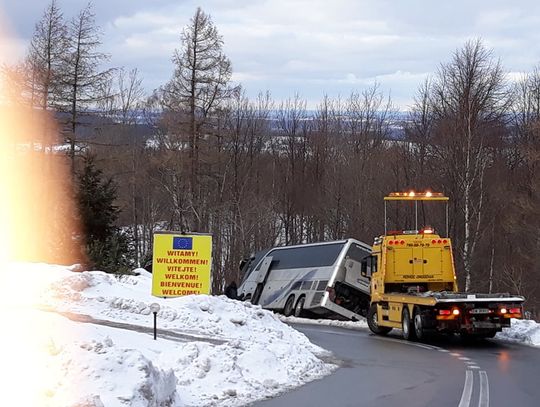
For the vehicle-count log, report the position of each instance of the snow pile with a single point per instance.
(522, 330)
(210, 350)
(354, 325)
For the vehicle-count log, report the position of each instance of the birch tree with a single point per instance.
(469, 99)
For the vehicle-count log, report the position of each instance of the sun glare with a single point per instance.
(37, 224)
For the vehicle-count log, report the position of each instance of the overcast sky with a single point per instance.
(312, 47)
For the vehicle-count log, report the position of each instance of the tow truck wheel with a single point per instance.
(289, 306)
(419, 330)
(374, 324)
(409, 332)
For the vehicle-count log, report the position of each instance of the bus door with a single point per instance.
(260, 278)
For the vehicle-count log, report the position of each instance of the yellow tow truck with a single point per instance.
(414, 286)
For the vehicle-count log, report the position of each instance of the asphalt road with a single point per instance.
(388, 371)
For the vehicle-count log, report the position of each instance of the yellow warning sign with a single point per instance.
(181, 264)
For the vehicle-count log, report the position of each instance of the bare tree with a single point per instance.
(198, 86)
(469, 100)
(83, 76)
(130, 95)
(35, 79)
(44, 58)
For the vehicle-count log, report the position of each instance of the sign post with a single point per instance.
(155, 309)
(181, 264)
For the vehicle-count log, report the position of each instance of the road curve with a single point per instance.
(388, 371)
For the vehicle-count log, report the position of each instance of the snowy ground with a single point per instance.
(523, 331)
(85, 340)
(362, 324)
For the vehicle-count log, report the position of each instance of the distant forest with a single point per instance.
(199, 155)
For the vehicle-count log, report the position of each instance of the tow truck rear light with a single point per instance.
(444, 312)
(503, 310)
(514, 311)
(448, 314)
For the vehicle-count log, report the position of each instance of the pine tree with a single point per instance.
(107, 246)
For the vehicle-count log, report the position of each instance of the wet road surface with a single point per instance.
(388, 371)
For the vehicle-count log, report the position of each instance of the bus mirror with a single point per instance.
(242, 264)
(363, 270)
(366, 268)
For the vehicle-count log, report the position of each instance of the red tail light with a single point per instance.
(444, 312)
(514, 311)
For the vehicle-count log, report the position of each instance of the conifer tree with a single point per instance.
(106, 245)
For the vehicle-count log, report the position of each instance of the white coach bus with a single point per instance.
(317, 278)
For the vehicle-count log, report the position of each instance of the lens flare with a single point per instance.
(37, 224)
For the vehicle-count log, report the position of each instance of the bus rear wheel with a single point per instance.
(373, 322)
(289, 306)
(299, 309)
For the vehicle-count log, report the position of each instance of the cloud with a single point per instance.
(315, 47)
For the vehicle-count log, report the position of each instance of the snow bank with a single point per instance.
(523, 331)
(211, 351)
(356, 325)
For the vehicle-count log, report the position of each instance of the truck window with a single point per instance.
(305, 256)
